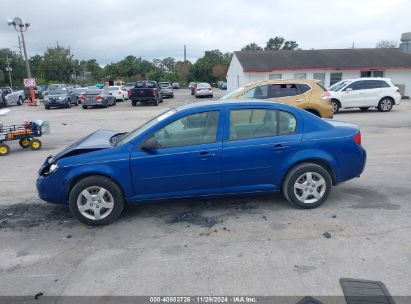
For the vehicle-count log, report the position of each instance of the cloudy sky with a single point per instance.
(109, 30)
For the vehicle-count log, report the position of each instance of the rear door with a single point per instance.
(258, 141)
(288, 93)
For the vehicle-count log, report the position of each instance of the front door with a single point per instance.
(186, 163)
(356, 95)
(259, 143)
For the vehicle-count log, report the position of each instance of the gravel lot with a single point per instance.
(248, 246)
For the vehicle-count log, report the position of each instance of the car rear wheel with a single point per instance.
(134, 103)
(68, 105)
(307, 185)
(96, 200)
(336, 105)
(84, 107)
(20, 101)
(385, 104)
(156, 102)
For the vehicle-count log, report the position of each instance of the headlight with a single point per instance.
(61, 98)
(51, 169)
(46, 98)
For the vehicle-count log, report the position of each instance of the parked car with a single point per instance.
(10, 97)
(364, 93)
(61, 97)
(119, 92)
(129, 85)
(203, 89)
(146, 91)
(53, 86)
(38, 92)
(268, 147)
(166, 89)
(97, 97)
(176, 85)
(223, 86)
(192, 87)
(306, 94)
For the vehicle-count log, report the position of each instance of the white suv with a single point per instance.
(364, 93)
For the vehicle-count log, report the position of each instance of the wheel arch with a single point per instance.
(321, 162)
(313, 111)
(74, 180)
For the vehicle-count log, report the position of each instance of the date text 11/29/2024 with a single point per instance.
(203, 299)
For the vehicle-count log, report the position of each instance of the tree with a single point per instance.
(290, 45)
(57, 64)
(183, 69)
(252, 47)
(219, 71)
(384, 44)
(274, 43)
(16, 63)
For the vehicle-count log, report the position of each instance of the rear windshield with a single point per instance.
(145, 84)
(92, 92)
(58, 91)
(165, 84)
(203, 85)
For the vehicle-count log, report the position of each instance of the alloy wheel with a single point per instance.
(310, 187)
(95, 203)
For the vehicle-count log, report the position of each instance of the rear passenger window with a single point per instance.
(283, 90)
(256, 123)
(304, 87)
(260, 92)
(288, 123)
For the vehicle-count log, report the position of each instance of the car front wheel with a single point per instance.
(307, 185)
(385, 104)
(96, 201)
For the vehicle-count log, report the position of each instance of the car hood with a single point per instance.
(98, 140)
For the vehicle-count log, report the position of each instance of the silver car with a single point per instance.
(203, 89)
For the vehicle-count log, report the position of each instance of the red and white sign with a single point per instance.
(29, 82)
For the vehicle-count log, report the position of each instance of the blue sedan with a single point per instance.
(204, 149)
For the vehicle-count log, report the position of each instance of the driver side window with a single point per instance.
(194, 129)
(260, 92)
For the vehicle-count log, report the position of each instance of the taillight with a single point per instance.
(98, 97)
(325, 95)
(398, 89)
(119, 92)
(129, 92)
(209, 89)
(198, 90)
(82, 97)
(357, 138)
(154, 92)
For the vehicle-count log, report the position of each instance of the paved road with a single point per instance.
(253, 245)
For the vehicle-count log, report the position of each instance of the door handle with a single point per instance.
(299, 99)
(206, 155)
(280, 147)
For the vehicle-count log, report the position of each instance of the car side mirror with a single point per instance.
(149, 144)
(348, 90)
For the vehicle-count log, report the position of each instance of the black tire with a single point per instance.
(364, 108)
(84, 107)
(24, 143)
(35, 144)
(336, 105)
(156, 102)
(4, 149)
(134, 103)
(105, 105)
(295, 176)
(68, 105)
(96, 182)
(115, 102)
(47, 107)
(385, 104)
(76, 103)
(20, 101)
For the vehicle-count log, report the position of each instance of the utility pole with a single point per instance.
(185, 53)
(9, 69)
(20, 47)
(21, 27)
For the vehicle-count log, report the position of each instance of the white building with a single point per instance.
(329, 66)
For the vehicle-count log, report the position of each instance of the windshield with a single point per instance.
(58, 91)
(338, 86)
(165, 84)
(203, 85)
(231, 94)
(144, 127)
